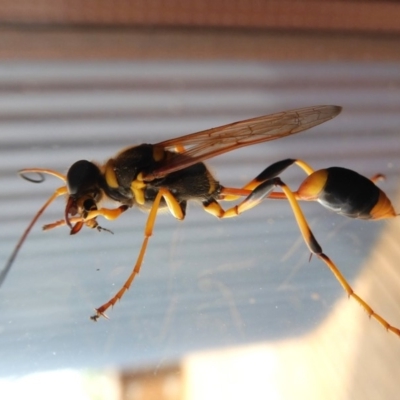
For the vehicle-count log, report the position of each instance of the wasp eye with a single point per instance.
(81, 176)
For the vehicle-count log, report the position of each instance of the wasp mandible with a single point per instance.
(171, 173)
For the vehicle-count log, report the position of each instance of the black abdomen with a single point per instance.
(349, 193)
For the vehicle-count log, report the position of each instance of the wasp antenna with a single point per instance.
(59, 192)
(40, 172)
(27, 178)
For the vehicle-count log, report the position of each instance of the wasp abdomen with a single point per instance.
(347, 193)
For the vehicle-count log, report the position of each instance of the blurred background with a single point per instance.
(221, 309)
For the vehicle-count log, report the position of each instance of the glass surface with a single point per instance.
(205, 283)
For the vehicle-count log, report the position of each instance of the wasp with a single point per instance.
(171, 173)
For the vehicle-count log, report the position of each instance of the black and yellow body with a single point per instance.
(123, 179)
(171, 173)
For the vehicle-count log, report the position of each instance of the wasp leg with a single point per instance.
(60, 222)
(176, 210)
(377, 177)
(107, 213)
(91, 223)
(316, 249)
(264, 190)
(90, 219)
(275, 170)
(272, 171)
(59, 192)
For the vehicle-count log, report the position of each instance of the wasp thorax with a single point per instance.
(82, 177)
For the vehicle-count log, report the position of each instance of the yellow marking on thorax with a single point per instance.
(138, 187)
(111, 177)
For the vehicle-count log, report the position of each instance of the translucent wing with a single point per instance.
(212, 142)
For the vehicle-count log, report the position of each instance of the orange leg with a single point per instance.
(90, 220)
(176, 210)
(272, 171)
(262, 191)
(60, 222)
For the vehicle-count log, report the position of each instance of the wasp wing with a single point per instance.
(202, 145)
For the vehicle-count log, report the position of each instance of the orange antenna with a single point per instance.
(40, 172)
(59, 192)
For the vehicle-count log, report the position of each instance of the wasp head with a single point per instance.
(83, 183)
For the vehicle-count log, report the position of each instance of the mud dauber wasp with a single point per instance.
(171, 173)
